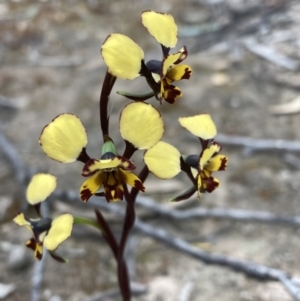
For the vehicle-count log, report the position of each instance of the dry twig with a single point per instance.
(250, 269)
(259, 144)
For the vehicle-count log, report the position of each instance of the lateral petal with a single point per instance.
(163, 160)
(91, 186)
(40, 187)
(141, 124)
(64, 138)
(162, 27)
(122, 56)
(199, 125)
(60, 230)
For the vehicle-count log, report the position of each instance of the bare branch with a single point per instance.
(271, 55)
(12, 155)
(250, 269)
(219, 213)
(136, 289)
(259, 144)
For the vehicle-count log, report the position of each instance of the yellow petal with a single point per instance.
(206, 155)
(40, 187)
(36, 247)
(163, 160)
(91, 186)
(122, 56)
(171, 93)
(64, 138)
(200, 125)
(178, 72)
(218, 162)
(199, 184)
(131, 179)
(60, 230)
(141, 124)
(95, 165)
(169, 61)
(21, 221)
(161, 26)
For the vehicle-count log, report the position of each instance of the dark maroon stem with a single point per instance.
(107, 86)
(142, 176)
(187, 169)
(124, 280)
(107, 233)
(129, 150)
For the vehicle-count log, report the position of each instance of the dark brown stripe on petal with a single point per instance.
(31, 244)
(210, 184)
(86, 168)
(224, 161)
(171, 93)
(85, 194)
(139, 185)
(187, 73)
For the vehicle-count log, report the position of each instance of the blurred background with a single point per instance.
(245, 56)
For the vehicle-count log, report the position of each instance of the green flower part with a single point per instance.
(141, 125)
(46, 232)
(60, 142)
(125, 59)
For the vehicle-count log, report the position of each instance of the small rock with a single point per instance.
(220, 79)
(6, 289)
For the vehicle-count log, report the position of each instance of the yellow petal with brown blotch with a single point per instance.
(207, 154)
(219, 162)
(200, 125)
(131, 179)
(161, 26)
(95, 165)
(179, 72)
(141, 125)
(20, 220)
(64, 138)
(163, 160)
(122, 56)
(91, 186)
(36, 247)
(40, 187)
(169, 61)
(60, 230)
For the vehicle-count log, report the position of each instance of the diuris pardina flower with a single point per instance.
(125, 59)
(165, 161)
(46, 232)
(112, 171)
(209, 159)
(65, 140)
